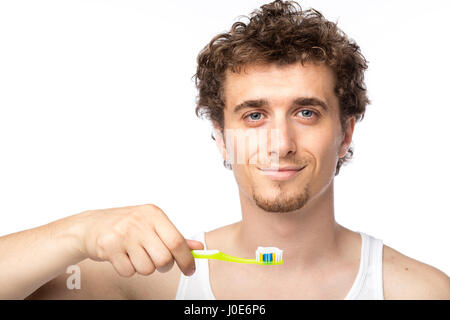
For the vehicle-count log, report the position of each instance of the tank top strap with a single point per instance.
(369, 281)
(376, 267)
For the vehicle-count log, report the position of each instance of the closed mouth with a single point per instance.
(281, 174)
(281, 169)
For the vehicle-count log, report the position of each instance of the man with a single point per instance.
(296, 81)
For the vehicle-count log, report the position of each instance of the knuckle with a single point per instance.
(175, 243)
(121, 229)
(152, 210)
(127, 226)
(147, 269)
(104, 244)
(101, 253)
(127, 273)
(123, 271)
(165, 268)
(164, 262)
(149, 207)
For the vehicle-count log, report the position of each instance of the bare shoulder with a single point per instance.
(405, 278)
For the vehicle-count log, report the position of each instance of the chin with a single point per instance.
(280, 201)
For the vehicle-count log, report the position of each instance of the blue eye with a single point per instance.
(251, 116)
(310, 112)
(257, 116)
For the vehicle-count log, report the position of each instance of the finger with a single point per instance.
(122, 265)
(161, 256)
(141, 261)
(176, 244)
(194, 244)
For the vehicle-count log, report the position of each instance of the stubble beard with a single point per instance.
(282, 202)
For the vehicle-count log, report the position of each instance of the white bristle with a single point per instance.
(265, 250)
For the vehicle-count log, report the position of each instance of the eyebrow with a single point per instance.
(300, 102)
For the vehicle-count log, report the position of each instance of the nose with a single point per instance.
(282, 139)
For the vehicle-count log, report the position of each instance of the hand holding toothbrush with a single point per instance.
(134, 239)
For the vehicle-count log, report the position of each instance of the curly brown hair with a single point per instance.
(282, 33)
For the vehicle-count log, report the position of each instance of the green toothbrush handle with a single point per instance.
(226, 257)
(222, 256)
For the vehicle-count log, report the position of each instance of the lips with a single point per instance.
(287, 168)
(281, 173)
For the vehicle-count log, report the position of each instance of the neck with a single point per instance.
(306, 236)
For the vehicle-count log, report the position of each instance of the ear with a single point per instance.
(220, 142)
(347, 136)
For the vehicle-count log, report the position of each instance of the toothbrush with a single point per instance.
(264, 256)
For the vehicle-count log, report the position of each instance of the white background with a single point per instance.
(97, 111)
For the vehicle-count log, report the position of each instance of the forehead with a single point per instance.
(280, 83)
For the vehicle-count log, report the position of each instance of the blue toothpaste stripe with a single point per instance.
(268, 257)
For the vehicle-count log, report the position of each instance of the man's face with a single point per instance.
(296, 106)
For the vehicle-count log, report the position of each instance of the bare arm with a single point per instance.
(109, 245)
(98, 280)
(30, 258)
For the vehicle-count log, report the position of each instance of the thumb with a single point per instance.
(194, 244)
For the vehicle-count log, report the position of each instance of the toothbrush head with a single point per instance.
(269, 255)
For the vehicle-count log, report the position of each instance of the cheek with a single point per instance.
(251, 146)
(245, 179)
(323, 148)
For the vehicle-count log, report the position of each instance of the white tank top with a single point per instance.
(368, 284)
